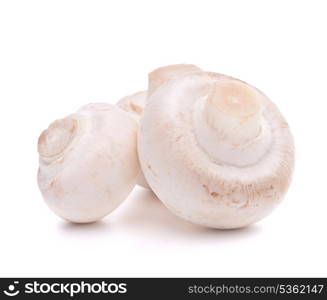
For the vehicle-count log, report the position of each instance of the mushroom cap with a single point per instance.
(88, 162)
(188, 180)
(135, 105)
(162, 75)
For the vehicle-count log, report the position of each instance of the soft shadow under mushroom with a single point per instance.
(144, 215)
(143, 212)
(100, 227)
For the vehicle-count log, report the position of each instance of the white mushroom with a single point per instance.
(215, 150)
(88, 162)
(135, 104)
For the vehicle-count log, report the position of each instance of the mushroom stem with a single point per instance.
(234, 110)
(54, 140)
(230, 126)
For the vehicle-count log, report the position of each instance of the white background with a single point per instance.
(58, 55)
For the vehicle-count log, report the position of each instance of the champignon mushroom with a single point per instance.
(88, 162)
(215, 150)
(136, 103)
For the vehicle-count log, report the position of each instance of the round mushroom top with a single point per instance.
(172, 121)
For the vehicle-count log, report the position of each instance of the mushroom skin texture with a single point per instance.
(88, 162)
(215, 150)
(135, 104)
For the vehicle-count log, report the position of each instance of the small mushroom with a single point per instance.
(88, 162)
(215, 150)
(135, 104)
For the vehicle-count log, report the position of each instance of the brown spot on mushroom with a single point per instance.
(135, 108)
(52, 183)
(150, 168)
(284, 124)
(241, 204)
(206, 188)
(56, 188)
(214, 194)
